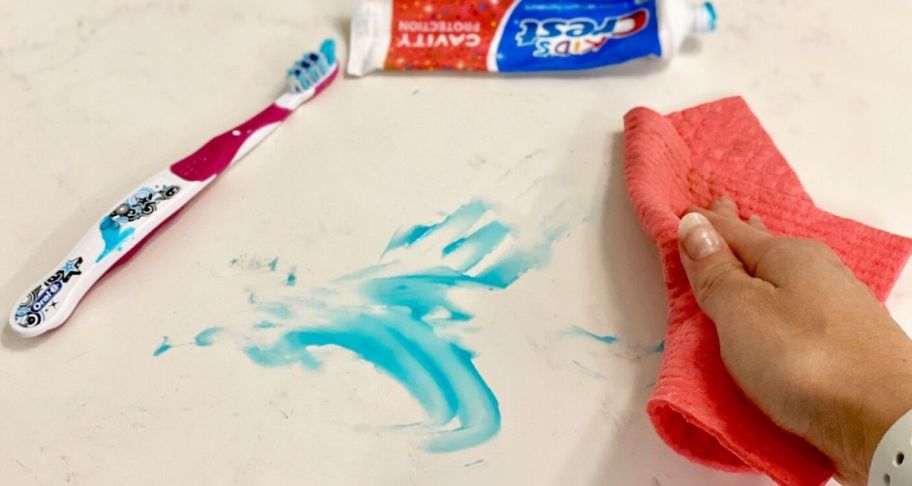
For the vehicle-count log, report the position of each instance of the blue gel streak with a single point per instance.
(607, 339)
(207, 336)
(165, 346)
(394, 319)
(460, 220)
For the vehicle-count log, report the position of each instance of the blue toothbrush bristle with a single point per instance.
(312, 68)
(328, 49)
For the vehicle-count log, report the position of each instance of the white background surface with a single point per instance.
(97, 95)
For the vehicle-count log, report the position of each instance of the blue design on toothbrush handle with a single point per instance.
(32, 311)
(141, 204)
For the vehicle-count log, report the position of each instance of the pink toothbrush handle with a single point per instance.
(218, 153)
(130, 224)
(213, 158)
(124, 228)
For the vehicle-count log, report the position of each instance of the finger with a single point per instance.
(717, 276)
(725, 206)
(747, 242)
(756, 222)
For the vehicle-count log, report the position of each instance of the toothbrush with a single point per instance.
(127, 225)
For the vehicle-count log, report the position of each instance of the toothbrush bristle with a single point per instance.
(312, 68)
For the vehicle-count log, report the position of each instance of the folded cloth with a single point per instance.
(687, 159)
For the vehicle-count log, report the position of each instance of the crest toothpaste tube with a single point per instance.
(518, 35)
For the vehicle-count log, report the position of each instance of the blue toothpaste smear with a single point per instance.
(265, 325)
(207, 336)
(607, 339)
(163, 347)
(394, 317)
(461, 219)
(476, 246)
(659, 348)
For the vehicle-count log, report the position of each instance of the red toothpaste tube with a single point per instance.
(518, 35)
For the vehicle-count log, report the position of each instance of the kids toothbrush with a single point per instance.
(128, 224)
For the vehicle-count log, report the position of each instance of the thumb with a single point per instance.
(715, 273)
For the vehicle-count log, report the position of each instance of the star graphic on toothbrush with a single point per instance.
(70, 268)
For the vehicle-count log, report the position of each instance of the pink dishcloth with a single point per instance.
(689, 158)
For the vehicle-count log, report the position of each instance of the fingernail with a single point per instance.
(698, 236)
(723, 202)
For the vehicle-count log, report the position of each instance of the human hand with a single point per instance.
(804, 339)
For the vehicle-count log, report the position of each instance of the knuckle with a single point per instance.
(817, 247)
(817, 254)
(774, 253)
(717, 283)
(800, 261)
(786, 245)
(790, 251)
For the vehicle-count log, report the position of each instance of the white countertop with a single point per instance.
(97, 95)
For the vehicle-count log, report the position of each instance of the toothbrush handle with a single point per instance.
(48, 303)
(214, 157)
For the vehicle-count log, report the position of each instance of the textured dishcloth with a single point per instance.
(687, 159)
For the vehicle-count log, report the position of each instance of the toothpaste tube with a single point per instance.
(518, 35)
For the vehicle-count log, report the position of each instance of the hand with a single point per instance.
(805, 340)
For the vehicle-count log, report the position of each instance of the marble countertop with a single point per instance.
(97, 95)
